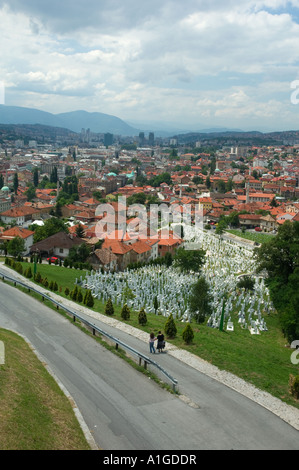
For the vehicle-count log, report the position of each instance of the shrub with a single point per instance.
(37, 276)
(142, 319)
(125, 312)
(294, 385)
(80, 296)
(66, 291)
(109, 309)
(170, 328)
(246, 282)
(89, 299)
(74, 293)
(188, 334)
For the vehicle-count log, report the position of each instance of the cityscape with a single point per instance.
(149, 228)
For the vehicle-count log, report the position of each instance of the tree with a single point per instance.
(88, 299)
(189, 260)
(142, 319)
(125, 312)
(16, 246)
(53, 176)
(50, 227)
(80, 231)
(170, 328)
(30, 192)
(246, 282)
(188, 334)
(109, 309)
(200, 300)
(221, 186)
(279, 258)
(35, 177)
(222, 225)
(15, 183)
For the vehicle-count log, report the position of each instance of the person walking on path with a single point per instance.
(152, 340)
(160, 343)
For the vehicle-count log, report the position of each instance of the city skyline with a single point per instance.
(193, 65)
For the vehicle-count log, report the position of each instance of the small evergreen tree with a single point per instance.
(142, 319)
(89, 300)
(109, 309)
(125, 312)
(66, 291)
(170, 328)
(188, 334)
(80, 296)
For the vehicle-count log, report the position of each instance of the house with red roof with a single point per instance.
(25, 234)
(19, 215)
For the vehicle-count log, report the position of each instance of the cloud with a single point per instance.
(156, 60)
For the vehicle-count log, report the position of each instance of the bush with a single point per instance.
(79, 296)
(170, 328)
(294, 385)
(109, 309)
(125, 312)
(188, 334)
(89, 299)
(66, 291)
(142, 319)
(246, 282)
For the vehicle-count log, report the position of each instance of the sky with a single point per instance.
(193, 64)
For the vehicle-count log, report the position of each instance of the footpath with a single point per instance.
(286, 412)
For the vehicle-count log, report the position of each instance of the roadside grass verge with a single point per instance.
(255, 237)
(263, 360)
(34, 414)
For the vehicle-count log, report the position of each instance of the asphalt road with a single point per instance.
(123, 409)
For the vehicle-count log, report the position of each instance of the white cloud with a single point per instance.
(155, 60)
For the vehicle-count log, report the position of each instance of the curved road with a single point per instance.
(123, 409)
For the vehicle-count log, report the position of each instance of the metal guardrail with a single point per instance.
(95, 329)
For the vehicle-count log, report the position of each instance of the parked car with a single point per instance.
(53, 259)
(258, 229)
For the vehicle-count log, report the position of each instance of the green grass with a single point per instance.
(34, 414)
(253, 236)
(263, 360)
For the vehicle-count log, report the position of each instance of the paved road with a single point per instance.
(125, 410)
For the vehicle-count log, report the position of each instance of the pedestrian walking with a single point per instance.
(152, 340)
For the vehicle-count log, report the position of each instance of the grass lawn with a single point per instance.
(34, 414)
(263, 360)
(258, 237)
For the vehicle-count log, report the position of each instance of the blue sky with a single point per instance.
(197, 64)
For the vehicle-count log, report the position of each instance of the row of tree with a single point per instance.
(279, 259)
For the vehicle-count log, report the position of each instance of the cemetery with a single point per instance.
(162, 290)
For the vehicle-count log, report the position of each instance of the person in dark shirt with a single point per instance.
(160, 342)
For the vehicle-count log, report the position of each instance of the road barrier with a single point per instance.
(96, 330)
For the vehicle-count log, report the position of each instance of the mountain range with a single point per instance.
(97, 122)
(74, 120)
